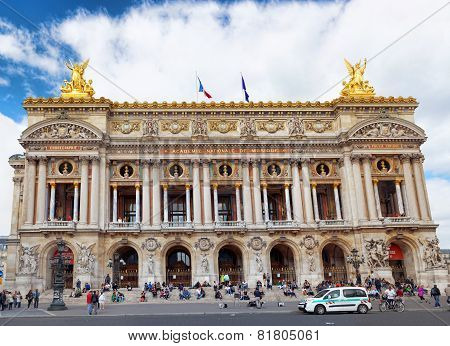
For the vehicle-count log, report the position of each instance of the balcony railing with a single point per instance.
(176, 225)
(281, 223)
(229, 224)
(124, 226)
(396, 220)
(59, 224)
(332, 223)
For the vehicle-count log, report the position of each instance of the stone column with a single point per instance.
(206, 194)
(84, 190)
(405, 200)
(420, 188)
(351, 187)
(316, 205)
(196, 193)
(410, 190)
(257, 193)
(138, 202)
(52, 200)
(156, 195)
(95, 191)
(114, 186)
(216, 203)
(145, 193)
(398, 192)
(246, 194)
(238, 202)
(297, 204)
(345, 198)
(360, 199)
(288, 203)
(166, 203)
(369, 188)
(76, 196)
(188, 203)
(42, 182)
(15, 206)
(336, 201)
(307, 191)
(377, 198)
(265, 202)
(107, 198)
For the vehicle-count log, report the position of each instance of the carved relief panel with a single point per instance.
(225, 170)
(324, 169)
(176, 170)
(275, 170)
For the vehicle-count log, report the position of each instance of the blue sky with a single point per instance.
(287, 50)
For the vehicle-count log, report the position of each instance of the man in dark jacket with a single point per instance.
(36, 296)
(436, 294)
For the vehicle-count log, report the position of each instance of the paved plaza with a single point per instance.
(161, 314)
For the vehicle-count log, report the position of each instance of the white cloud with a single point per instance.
(286, 51)
(9, 133)
(439, 191)
(4, 82)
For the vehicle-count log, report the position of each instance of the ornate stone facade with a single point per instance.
(187, 192)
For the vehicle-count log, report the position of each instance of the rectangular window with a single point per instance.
(177, 209)
(225, 209)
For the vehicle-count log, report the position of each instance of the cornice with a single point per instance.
(341, 101)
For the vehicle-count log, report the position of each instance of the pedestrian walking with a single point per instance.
(95, 302)
(89, 302)
(29, 298)
(421, 293)
(436, 294)
(2, 300)
(447, 293)
(102, 300)
(10, 300)
(19, 299)
(36, 296)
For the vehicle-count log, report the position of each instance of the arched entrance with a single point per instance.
(334, 265)
(126, 267)
(282, 264)
(230, 263)
(401, 261)
(68, 267)
(178, 266)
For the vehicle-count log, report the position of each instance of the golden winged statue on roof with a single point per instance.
(77, 87)
(357, 86)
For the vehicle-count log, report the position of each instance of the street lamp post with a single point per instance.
(58, 282)
(356, 260)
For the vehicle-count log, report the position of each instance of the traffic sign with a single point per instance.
(1, 273)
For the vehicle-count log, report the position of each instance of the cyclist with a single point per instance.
(390, 296)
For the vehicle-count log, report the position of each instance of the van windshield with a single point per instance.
(321, 294)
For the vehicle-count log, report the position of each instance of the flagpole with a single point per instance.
(243, 91)
(196, 85)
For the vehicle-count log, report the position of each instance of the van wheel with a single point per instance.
(320, 310)
(362, 309)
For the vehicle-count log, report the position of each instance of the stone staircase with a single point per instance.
(132, 297)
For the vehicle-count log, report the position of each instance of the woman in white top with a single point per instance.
(102, 300)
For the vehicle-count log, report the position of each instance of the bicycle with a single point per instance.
(397, 305)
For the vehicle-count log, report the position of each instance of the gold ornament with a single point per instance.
(357, 86)
(77, 87)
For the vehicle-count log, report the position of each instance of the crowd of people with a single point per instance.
(10, 299)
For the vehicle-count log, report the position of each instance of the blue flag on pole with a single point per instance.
(247, 96)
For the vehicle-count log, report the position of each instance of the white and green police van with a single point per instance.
(350, 299)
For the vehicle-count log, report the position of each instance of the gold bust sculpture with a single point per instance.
(77, 87)
(357, 86)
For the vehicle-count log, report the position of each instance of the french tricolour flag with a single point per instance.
(201, 89)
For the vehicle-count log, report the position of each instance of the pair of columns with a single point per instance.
(41, 209)
(287, 202)
(216, 202)
(336, 201)
(138, 203)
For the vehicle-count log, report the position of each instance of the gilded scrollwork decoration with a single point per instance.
(223, 126)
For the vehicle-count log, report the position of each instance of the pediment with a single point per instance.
(73, 130)
(387, 128)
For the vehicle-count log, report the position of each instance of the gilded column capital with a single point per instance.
(215, 186)
(76, 183)
(137, 186)
(375, 181)
(237, 185)
(286, 185)
(314, 185)
(398, 181)
(165, 186)
(264, 185)
(52, 183)
(187, 186)
(405, 157)
(114, 186)
(336, 184)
